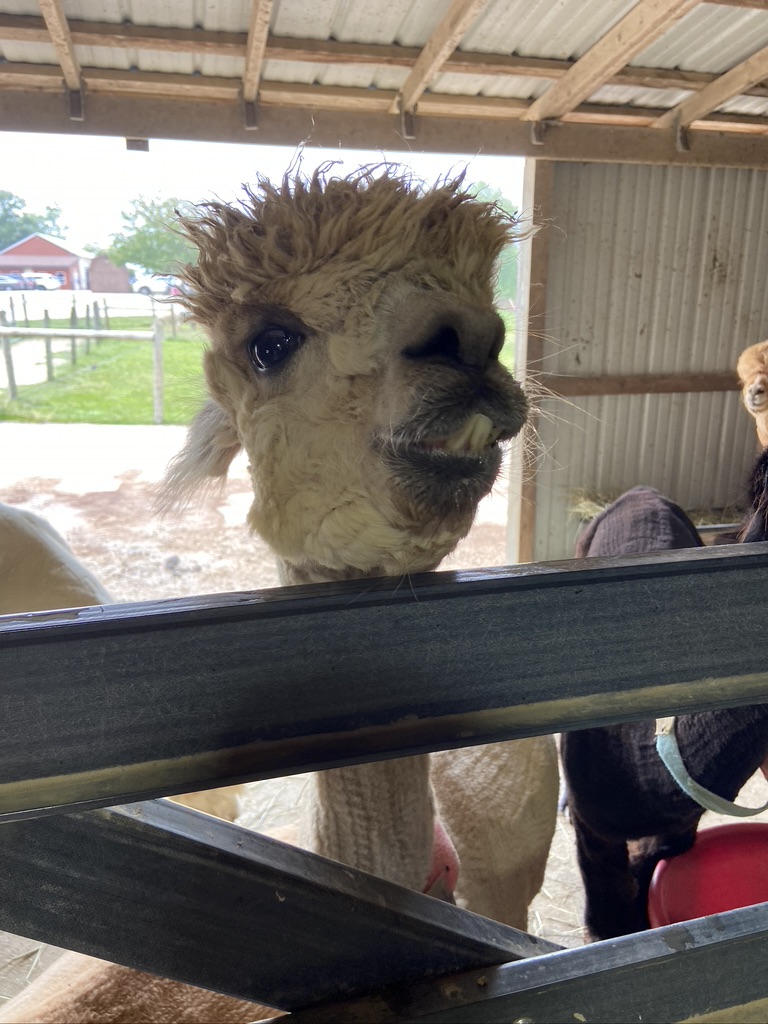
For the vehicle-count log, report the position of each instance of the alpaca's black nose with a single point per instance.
(467, 338)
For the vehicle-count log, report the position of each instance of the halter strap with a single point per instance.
(669, 752)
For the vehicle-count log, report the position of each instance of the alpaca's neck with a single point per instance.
(722, 749)
(377, 817)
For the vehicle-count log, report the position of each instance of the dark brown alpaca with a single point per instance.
(627, 811)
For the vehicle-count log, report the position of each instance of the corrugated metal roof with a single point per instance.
(543, 28)
(652, 270)
(710, 38)
(634, 97)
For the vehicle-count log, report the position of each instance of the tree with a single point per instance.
(149, 239)
(506, 284)
(16, 222)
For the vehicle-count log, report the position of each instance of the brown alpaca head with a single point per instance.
(752, 369)
(354, 355)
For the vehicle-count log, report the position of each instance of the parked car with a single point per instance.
(43, 282)
(10, 283)
(156, 284)
(24, 282)
(150, 284)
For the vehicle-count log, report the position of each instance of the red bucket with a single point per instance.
(726, 868)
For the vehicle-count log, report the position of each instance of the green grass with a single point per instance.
(113, 382)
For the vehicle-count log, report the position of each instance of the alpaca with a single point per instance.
(354, 356)
(628, 813)
(39, 572)
(755, 524)
(752, 369)
(37, 568)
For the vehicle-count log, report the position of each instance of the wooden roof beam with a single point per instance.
(460, 17)
(61, 38)
(637, 29)
(733, 83)
(203, 89)
(27, 29)
(254, 56)
(752, 5)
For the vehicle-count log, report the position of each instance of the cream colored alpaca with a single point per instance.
(38, 572)
(752, 369)
(354, 355)
(37, 568)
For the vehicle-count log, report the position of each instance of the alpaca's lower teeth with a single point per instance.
(474, 435)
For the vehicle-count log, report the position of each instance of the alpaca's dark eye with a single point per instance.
(272, 345)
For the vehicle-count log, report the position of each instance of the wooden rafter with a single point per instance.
(107, 81)
(441, 44)
(733, 83)
(60, 36)
(645, 22)
(752, 5)
(254, 48)
(26, 29)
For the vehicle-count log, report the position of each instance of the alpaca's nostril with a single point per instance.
(463, 345)
(443, 344)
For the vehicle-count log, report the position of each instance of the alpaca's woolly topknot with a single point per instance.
(369, 223)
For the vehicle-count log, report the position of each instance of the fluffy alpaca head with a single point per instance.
(354, 355)
(752, 369)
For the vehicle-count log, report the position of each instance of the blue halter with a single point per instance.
(669, 752)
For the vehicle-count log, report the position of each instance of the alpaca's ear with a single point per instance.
(211, 445)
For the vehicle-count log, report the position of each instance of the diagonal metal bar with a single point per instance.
(163, 889)
(668, 974)
(149, 699)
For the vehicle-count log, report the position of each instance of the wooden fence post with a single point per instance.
(13, 311)
(96, 324)
(106, 318)
(24, 307)
(157, 389)
(48, 347)
(12, 390)
(73, 323)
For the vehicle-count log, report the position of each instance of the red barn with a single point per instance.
(42, 253)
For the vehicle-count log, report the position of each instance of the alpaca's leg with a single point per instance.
(376, 817)
(498, 803)
(610, 889)
(645, 854)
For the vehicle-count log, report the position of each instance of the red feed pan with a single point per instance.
(726, 868)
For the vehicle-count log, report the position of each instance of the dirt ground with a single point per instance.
(97, 486)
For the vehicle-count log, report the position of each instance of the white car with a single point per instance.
(151, 284)
(43, 282)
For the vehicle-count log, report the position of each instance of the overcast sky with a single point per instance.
(93, 179)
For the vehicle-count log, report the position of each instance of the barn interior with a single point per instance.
(644, 126)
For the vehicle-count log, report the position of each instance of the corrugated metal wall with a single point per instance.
(651, 270)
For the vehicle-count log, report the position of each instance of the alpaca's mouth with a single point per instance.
(756, 399)
(474, 435)
(470, 450)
